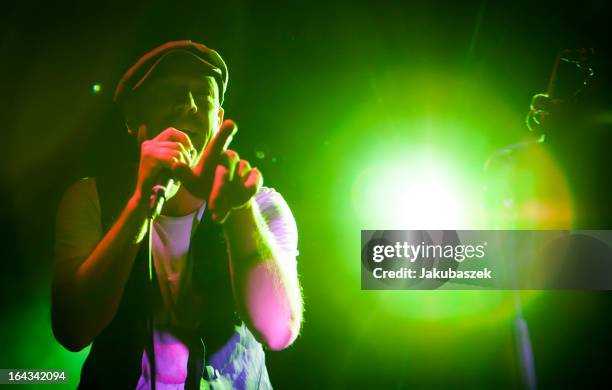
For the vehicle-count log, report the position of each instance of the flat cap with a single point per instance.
(212, 65)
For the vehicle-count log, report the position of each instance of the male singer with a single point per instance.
(223, 276)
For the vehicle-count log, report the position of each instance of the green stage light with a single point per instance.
(416, 190)
(428, 175)
(425, 185)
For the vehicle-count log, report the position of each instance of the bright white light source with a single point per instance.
(414, 192)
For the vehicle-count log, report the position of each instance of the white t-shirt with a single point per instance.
(171, 238)
(79, 229)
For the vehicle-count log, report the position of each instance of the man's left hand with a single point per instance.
(234, 185)
(221, 177)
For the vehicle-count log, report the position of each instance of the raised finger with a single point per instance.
(221, 140)
(232, 159)
(243, 168)
(254, 180)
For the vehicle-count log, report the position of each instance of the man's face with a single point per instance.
(189, 102)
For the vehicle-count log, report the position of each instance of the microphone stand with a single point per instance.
(159, 195)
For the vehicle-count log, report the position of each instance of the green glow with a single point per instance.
(420, 165)
(96, 88)
(525, 189)
(419, 190)
(422, 182)
(33, 341)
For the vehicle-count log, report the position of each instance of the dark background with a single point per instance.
(296, 71)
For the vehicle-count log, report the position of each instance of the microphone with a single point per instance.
(159, 195)
(161, 191)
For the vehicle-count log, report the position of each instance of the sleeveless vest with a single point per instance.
(115, 358)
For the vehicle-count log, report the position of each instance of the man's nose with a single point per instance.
(187, 104)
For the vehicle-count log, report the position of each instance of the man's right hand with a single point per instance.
(167, 149)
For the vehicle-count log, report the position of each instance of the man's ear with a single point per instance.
(220, 116)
